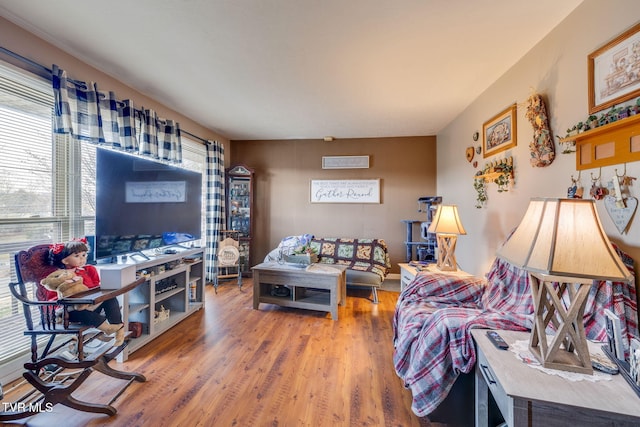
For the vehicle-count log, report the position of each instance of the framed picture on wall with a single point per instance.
(499, 133)
(614, 71)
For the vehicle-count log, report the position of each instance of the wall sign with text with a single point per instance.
(156, 192)
(345, 191)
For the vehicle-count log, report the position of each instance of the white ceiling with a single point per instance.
(281, 69)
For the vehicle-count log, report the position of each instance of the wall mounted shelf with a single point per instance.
(611, 144)
(495, 169)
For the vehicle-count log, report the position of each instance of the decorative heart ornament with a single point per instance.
(469, 152)
(621, 217)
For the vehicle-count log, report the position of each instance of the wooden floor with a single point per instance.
(230, 365)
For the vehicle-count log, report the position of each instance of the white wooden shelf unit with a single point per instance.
(173, 283)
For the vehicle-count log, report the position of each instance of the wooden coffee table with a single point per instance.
(315, 287)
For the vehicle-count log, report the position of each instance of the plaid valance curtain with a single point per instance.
(98, 117)
(215, 204)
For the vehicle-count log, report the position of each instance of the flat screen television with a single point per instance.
(143, 204)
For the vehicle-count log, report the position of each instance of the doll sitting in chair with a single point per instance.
(105, 316)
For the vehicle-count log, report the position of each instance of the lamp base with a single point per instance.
(574, 355)
(447, 252)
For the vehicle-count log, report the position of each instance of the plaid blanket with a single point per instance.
(435, 313)
(357, 254)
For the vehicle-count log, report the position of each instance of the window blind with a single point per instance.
(194, 157)
(25, 188)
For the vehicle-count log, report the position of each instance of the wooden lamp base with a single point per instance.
(568, 323)
(447, 252)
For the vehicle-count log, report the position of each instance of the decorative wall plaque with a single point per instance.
(345, 191)
(345, 162)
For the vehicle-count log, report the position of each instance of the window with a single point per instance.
(42, 194)
(47, 192)
(194, 157)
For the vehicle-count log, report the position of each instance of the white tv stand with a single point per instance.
(173, 283)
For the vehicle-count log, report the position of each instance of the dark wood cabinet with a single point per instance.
(239, 211)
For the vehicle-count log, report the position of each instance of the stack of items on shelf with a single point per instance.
(165, 285)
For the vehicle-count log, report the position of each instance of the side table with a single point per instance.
(529, 397)
(409, 271)
(407, 274)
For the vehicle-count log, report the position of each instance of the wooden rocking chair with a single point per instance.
(46, 371)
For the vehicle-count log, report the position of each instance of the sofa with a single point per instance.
(367, 260)
(435, 313)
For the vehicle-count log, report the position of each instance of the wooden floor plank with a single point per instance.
(230, 365)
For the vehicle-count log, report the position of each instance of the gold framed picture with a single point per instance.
(614, 71)
(499, 133)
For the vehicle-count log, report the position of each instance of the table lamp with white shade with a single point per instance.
(447, 225)
(562, 245)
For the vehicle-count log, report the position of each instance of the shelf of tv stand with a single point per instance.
(168, 273)
(167, 294)
(135, 308)
(140, 304)
(159, 328)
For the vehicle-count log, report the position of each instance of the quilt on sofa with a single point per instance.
(435, 313)
(357, 254)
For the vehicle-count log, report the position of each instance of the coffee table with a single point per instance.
(315, 287)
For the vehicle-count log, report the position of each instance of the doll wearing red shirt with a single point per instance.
(106, 316)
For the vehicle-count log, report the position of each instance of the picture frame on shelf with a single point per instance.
(614, 334)
(614, 71)
(499, 132)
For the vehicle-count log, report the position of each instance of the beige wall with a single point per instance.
(31, 47)
(557, 68)
(405, 166)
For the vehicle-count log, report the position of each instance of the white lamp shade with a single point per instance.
(446, 221)
(564, 237)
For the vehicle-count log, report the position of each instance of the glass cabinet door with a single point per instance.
(239, 205)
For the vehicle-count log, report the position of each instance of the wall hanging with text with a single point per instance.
(345, 191)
